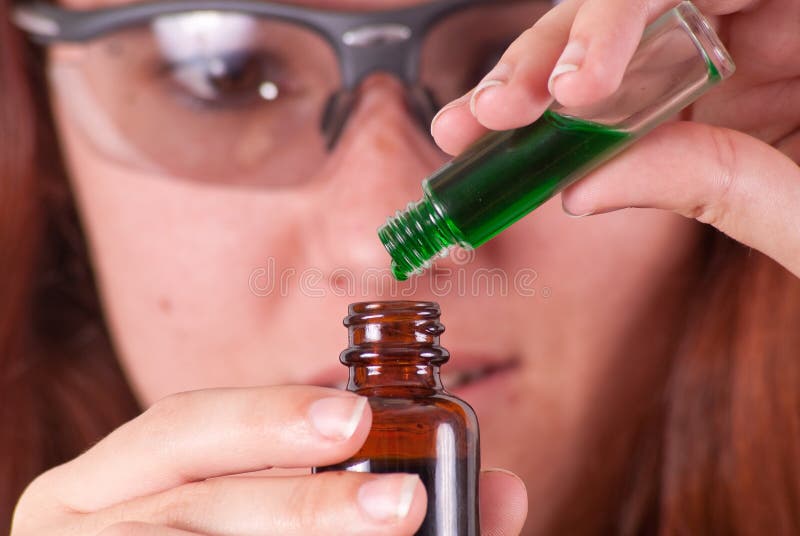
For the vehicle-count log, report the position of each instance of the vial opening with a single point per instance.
(414, 237)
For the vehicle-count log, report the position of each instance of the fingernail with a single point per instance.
(388, 497)
(500, 470)
(498, 76)
(337, 417)
(450, 105)
(570, 61)
(573, 215)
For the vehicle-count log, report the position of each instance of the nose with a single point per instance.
(376, 168)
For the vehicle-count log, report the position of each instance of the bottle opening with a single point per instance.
(394, 332)
(396, 307)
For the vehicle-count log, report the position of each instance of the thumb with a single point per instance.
(504, 503)
(742, 186)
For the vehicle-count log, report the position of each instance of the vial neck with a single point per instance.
(415, 236)
(387, 379)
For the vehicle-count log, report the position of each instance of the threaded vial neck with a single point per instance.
(394, 333)
(414, 237)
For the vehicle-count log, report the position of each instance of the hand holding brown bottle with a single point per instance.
(178, 469)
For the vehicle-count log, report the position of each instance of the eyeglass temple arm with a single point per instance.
(48, 23)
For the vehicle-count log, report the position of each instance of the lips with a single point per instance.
(458, 373)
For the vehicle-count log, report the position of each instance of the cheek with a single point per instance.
(583, 370)
(598, 259)
(603, 273)
(172, 259)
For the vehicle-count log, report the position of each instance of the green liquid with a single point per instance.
(493, 183)
(503, 177)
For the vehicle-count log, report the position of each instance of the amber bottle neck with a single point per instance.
(404, 377)
(394, 344)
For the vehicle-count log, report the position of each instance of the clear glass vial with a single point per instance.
(417, 427)
(505, 175)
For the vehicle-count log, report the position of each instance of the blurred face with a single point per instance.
(231, 282)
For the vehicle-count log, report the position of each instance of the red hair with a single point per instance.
(60, 386)
(715, 448)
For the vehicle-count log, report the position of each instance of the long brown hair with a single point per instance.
(60, 386)
(715, 450)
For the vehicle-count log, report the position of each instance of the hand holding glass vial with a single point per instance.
(506, 175)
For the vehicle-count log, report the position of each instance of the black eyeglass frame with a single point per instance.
(364, 41)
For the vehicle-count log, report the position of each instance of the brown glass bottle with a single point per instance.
(417, 427)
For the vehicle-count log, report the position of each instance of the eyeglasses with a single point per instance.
(256, 93)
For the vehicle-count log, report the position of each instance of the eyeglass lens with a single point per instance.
(231, 98)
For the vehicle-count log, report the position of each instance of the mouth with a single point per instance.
(456, 374)
(459, 374)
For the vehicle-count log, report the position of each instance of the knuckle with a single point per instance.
(305, 501)
(644, 8)
(35, 488)
(183, 503)
(163, 427)
(544, 30)
(529, 33)
(28, 513)
(168, 407)
(124, 528)
(257, 407)
(522, 43)
(157, 423)
(716, 207)
(313, 496)
(23, 521)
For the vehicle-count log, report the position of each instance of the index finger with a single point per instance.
(197, 435)
(514, 93)
(577, 53)
(602, 41)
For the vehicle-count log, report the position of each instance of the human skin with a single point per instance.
(173, 258)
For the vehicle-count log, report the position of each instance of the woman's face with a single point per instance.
(214, 285)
